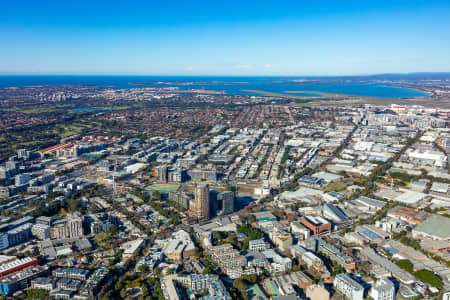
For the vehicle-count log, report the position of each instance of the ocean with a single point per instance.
(230, 85)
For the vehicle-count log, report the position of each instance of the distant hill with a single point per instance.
(389, 76)
(414, 76)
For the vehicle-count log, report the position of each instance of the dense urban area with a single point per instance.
(148, 193)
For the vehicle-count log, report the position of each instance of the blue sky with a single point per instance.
(224, 37)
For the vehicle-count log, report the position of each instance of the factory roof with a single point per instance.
(411, 197)
(435, 226)
(370, 202)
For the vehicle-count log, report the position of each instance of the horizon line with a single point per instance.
(209, 75)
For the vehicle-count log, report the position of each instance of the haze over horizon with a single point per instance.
(234, 38)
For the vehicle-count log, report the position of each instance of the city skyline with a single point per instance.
(233, 38)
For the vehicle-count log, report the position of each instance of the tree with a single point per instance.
(251, 219)
(118, 286)
(405, 265)
(123, 293)
(144, 291)
(157, 195)
(239, 285)
(197, 252)
(37, 294)
(250, 278)
(207, 270)
(101, 237)
(296, 268)
(73, 204)
(157, 271)
(251, 232)
(142, 268)
(113, 229)
(430, 278)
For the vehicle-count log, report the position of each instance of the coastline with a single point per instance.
(232, 86)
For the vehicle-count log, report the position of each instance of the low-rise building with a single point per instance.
(131, 247)
(257, 245)
(278, 263)
(317, 292)
(317, 225)
(71, 273)
(20, 280)
(349, 287)
(435, 227)
(42, 283)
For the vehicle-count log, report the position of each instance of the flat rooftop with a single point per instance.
(436, 226)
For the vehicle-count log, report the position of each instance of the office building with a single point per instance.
(42, 283)
(20, 222)
(317, 225)
(43, 220)
(19, 234)
(349, 287)
(71, 227)
(225, 202)
(163, 174)
(22, 153)
(282, 239)
(4, 243)
(40, 231)
(383, 290)
(21, 179)
(178, 176)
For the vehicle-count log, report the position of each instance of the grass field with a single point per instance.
(75, 128)
(37, 110)
(163, 188)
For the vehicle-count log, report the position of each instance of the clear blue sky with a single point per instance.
(224, 37)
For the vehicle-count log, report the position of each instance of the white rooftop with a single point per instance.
(411, 197)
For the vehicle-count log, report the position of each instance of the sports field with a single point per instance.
(163, 188)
